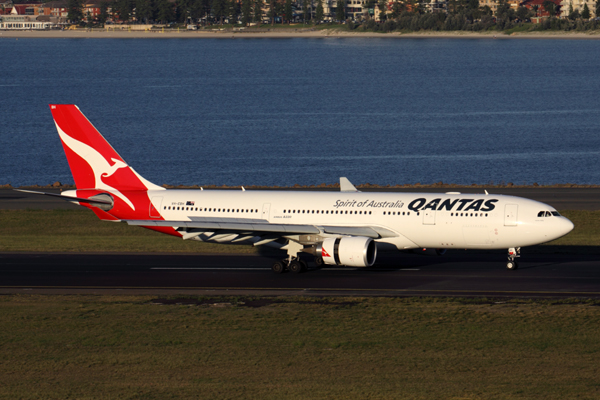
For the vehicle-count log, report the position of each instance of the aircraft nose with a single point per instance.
(565, 226)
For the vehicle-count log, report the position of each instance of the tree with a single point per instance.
(272, 11)
(123, 10)
(258, 12)
(218, 10)
(305, 14)
(397, 9)
(574, 15)
(382, 5)
(165, 11)
(319, 11)
(74, 10)
(233, 11)
(585, 13)
(246, 12)
(523, 13)
(340, 12)
(550, 8)
(143, 10)
(103, 16)
(289, 14)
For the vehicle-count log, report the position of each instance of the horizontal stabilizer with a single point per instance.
(69, 198)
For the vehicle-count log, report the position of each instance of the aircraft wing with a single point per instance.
(261, 227)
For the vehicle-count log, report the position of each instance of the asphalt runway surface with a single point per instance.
(549, 273)
(456, 274)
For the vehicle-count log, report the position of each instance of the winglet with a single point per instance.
(347, 186)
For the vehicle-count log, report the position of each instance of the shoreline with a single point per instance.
(287, 33)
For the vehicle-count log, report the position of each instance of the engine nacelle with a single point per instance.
(352, 251)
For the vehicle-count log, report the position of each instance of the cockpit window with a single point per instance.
(548, 214)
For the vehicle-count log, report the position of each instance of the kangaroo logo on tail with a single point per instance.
(98, 164)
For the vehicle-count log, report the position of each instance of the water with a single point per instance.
(306, 111)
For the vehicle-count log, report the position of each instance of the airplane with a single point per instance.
(345, 228)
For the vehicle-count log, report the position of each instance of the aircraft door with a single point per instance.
(154, 213)
(510, 214)
(428, 217)
(266, 210)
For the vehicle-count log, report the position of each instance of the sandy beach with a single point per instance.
(283, 33)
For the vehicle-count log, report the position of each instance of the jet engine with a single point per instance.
(352, 251)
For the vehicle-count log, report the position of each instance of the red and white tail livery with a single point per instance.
(337, 228)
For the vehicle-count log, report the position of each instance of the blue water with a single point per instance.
(306, 111)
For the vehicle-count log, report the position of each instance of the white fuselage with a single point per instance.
(417, 220)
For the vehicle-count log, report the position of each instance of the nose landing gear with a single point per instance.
(513, 253)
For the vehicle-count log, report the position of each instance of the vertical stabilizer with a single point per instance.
(347, 186)
(93, 162)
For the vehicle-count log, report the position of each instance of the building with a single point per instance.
(537, 6)
(56, 8)
(577, 6)
(24, 22)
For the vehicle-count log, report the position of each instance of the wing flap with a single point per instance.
(230, 226)
(235, 225)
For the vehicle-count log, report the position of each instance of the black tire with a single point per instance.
(278, 267)
(295, 267)
(304, 265)
(319, 262)
(512, 265)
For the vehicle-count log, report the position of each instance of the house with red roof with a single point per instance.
(538, 7)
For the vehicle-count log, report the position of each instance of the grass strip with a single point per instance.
(81, 231)
(105, 347)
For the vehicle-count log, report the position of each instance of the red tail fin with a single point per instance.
(93, 162)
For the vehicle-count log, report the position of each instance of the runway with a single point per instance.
(456, 274)
(543, 272)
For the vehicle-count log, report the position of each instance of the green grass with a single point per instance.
(101, 347)
(81, 231)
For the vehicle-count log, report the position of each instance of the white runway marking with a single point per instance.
(211, 268)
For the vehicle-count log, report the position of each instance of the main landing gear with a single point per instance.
(513, 252)
(295, 265)
(292, 263)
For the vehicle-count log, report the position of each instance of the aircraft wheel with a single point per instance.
(319, 262)
(304, 265)
(278, 267)
(295, 267)
(512, 265)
